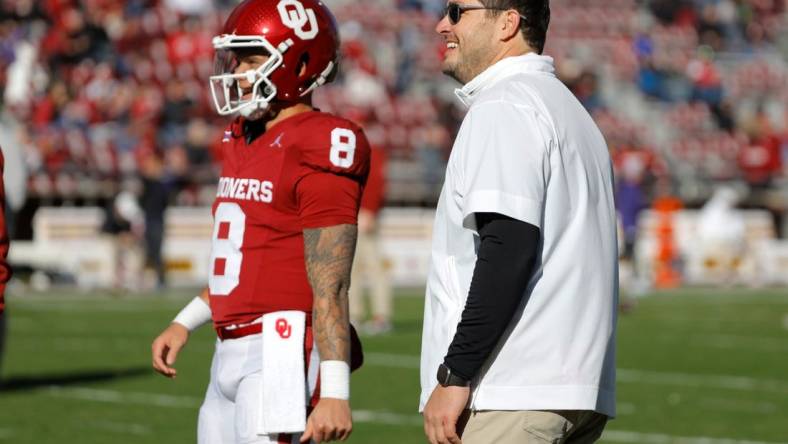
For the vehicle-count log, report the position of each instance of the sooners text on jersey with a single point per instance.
(257, 258)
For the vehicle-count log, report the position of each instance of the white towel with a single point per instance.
(283, 375)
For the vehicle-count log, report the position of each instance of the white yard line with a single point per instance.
(738, 405)
(659, 438)
(736, 296)
(96, 307)
(121, 428)
(82, 342)
(92, 344)
(701, 380)
(392, 360)
(377, 417)
(628, 375)
(116, 397)
(710, 322)
(767, 344)
(362, 416)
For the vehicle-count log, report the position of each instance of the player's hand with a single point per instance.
(165, 349)
(329, 421)
(442, 412)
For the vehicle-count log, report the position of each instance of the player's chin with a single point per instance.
(255, 112)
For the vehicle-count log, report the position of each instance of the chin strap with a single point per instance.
(269, 113)
(321, 79)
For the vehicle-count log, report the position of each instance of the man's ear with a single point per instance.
(509, 24)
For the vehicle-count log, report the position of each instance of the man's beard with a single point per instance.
(466, 66)
(451, 71)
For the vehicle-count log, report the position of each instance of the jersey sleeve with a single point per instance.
(375, 191)
(338, 147)
(333, 171)
(327, 199)
(507, 167)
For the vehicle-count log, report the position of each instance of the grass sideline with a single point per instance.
(695, 367)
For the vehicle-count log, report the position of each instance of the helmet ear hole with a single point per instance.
(303, 62)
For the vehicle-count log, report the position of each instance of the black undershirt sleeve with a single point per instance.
(504, 265)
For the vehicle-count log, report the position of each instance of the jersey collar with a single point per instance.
(504, 68)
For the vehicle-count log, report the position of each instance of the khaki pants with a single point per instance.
(369, 269)
(533, 427)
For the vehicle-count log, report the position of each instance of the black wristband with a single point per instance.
(447, 378)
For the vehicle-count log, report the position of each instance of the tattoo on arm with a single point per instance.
(329, 258)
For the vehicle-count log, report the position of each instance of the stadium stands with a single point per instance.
(98, 88)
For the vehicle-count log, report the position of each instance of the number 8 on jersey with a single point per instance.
(226, 256)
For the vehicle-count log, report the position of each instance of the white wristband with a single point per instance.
(194, 315)
(335, 380)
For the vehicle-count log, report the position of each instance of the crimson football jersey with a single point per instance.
(307, 171)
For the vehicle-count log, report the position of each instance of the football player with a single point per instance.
(5, 270)
(284, 232)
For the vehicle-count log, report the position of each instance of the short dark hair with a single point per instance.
(537, 18)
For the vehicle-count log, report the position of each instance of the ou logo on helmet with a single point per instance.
(296, 17)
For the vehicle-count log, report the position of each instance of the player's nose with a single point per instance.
(242, 68)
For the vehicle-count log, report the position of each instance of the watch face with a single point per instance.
(443, 375)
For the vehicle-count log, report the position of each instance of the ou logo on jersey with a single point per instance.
(296, 17)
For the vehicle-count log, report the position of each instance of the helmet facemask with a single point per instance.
(248, 93)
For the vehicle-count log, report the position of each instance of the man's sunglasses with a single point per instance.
(454, 11)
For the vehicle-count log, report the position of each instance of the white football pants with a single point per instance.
(232, 405)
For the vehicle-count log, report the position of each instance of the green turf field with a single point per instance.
(695, 367)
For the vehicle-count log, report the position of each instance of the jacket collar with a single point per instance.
(502, 69)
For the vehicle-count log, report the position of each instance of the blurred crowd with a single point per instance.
(102, 96)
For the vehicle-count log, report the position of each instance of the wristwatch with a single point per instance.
(446, 378)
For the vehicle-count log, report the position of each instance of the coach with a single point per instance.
(520, 317)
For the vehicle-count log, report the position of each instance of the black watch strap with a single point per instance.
(447, 378)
